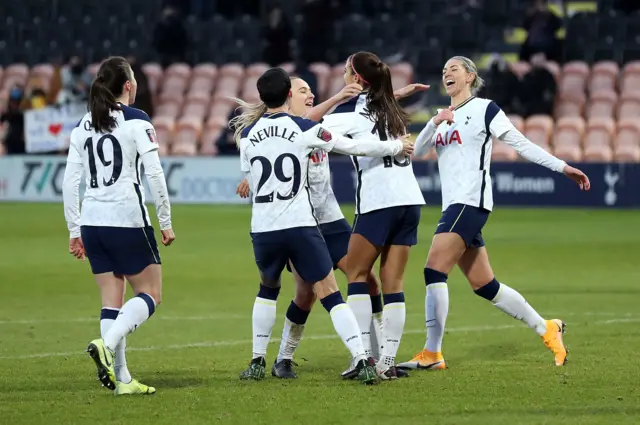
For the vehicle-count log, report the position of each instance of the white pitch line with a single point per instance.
(237, 316)
(213, 344)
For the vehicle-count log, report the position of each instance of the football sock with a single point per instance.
(436, 306)
(377, 337)
(511, 302)
(359, 302)
(263, 319)
(292, 332)
(394, 314)
(345, 324)
(107, 317)
(134, 313)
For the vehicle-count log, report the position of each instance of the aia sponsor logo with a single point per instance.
(448, 139)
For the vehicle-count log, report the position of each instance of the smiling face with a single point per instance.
(301, 97)
(455, 77)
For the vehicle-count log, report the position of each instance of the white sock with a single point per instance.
(394, 314)
(511, 302)
(134, 313)
(263, 319)
(346, 325)
(122, 372)
(436, 310)
(360, 305)
(291, 336)
(377, 335)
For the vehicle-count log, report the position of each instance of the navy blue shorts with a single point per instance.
(121, 250)
(304, 246)
(466, 221)
(390, 226)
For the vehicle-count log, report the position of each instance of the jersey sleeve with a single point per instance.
(343, 124)
(496, 121)
(145, 136)
(245, 166)
(74, 156)
(318, 137)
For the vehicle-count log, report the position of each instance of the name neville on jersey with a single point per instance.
(273, 131)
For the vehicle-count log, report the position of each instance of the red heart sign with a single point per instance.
(55, 129)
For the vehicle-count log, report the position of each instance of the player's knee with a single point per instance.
(357, 273)
(156, 294)
(486, 290)
(391, 286)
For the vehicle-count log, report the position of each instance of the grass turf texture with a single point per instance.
(581, 266)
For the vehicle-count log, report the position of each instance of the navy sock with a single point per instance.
(357, 288)
(330, 301)
(297, 315)
(268, 293)
(434, 276)
(489, 291)
(376, 304)
(109, 313)
(398, 297)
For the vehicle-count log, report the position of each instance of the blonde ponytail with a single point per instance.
(251, 112)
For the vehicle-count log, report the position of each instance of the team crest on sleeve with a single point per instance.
(324, 135)
(152, 135)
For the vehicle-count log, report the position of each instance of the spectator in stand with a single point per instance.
(538, 88)
(541, 24)
(318, 24)
(144, 98)
(76, 81)
(226, 143)
(278, 34)
(13, 117)
(501, 85)
(170, 37)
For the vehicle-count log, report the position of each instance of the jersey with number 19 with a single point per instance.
(381, 182)
(114, 195)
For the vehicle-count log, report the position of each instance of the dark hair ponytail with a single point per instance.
(105, 89)
(382, 105)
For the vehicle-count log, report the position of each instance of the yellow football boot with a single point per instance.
(425, 359)
(133, 388)
(553, 340)
(105, 361)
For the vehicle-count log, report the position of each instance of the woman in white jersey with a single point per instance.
(333, 226)
(113, 227)
(462, 135)
(388, 203)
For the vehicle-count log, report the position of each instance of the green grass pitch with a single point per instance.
(581, 266)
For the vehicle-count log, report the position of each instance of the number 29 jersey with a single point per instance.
(114, 195)
(381, 182)
(275, 151)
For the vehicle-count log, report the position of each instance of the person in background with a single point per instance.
(538, 88)
(144, 97)
(13, 117)
(501, 86)
(541, 24)
(170, 37)
(278, 35)
(76, 81)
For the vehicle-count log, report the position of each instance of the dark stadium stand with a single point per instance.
(597, 96)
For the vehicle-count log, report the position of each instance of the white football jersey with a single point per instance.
(381, 182)
(325, 204)
(275, 151)
(114, 195)
(464, 152)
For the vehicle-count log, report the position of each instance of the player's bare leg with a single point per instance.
(346, 326)
(476, 267)
(446, 249)
(263, 321)
(393, 262)
(294, 324)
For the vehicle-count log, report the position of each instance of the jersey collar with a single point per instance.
(464, 103)
(275, 115)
